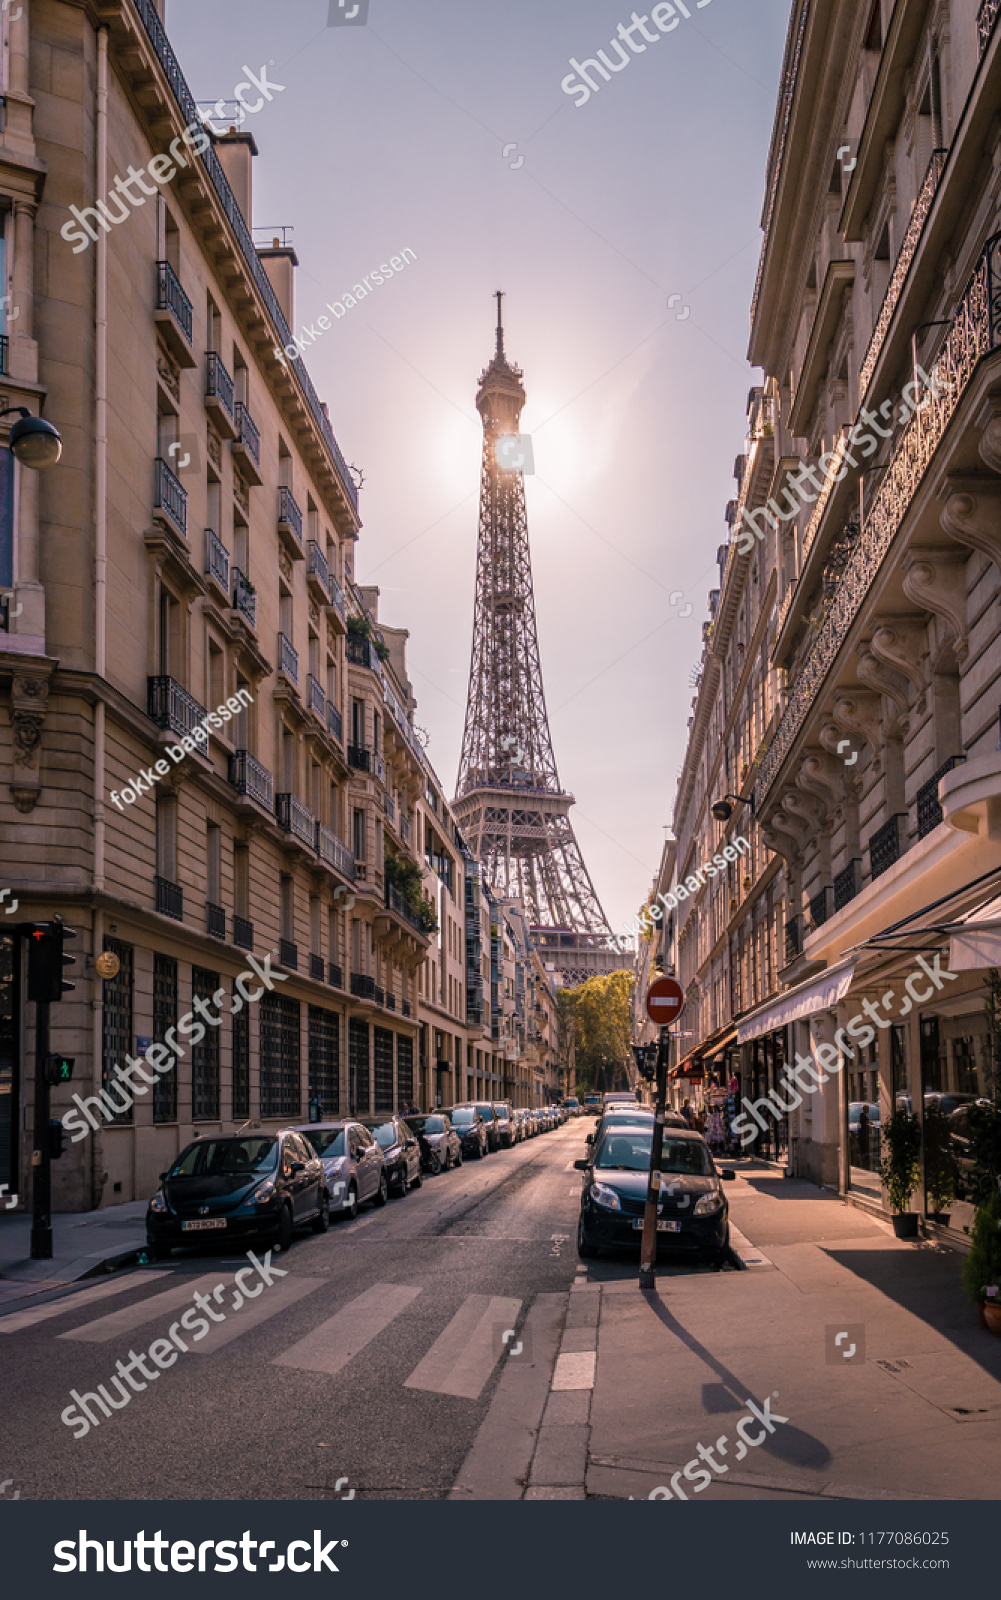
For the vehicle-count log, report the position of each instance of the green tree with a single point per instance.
(600, 1011)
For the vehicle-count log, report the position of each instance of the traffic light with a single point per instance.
(55, 1139)
(46, 959)
(59, 1069)
(646, 1060)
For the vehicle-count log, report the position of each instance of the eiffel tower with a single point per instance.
(509, 802)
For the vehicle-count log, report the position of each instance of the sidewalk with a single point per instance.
(83, 1243)
(906, 1406)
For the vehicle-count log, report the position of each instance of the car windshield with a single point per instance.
(630, 1152)
(434, 1125)
(327, 1142)
(385, 1134)
(463, 1118)
(486, 1112)
(502, 1113)
(218, 1157)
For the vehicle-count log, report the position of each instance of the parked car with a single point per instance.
(261, 1188)
(440, 1144)
(619, 1117)
(531, 1126)
(486, 1110)
(472, 1130)
(619, 1097)
(692, 1210)
(592, 1104)
(400, 1151)
(352, 1161)
(504, 1116)
(573, 1105)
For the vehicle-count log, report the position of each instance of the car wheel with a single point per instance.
(351, 1209)
(481, 1151)
(321, 1222)
(285, 1229)
(585, 1249)
(382, 1193)
(448, 1162)
(436, 1163)
(419, 1180)
(158, 1252)
(402, 1181)
(458, 1159)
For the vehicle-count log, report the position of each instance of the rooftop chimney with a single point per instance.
(236, 152)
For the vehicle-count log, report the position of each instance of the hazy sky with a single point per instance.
(390, 135)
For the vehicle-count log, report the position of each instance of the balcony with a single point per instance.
(316, 968)
(215, 921)
(217, 560)
(331, 851)
(340, 617)
(335, 722)
(170, 498)
(885, 845)
(378, 995)
(794, 938)
(908, 247)
(244, 597)
(362, 652)
(929, 810)
(295, 819)
(404, 829)
(396, 902)
(847, 883)
(219, 398)
(288, 659)
(821, 906)
(362, 986)
(316, 700)
(288, 955)
(406, 1008)
(390, 1001)
(290, 523)
(378, 767)
(243, 933)
(169, 899)
(171, 707)
(335, 977)
(173, 315)
(247, 445)
(389, 805)
(986, 18)
(317, 572)
(247, 776)
(359, 758)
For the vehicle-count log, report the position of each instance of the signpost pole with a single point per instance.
(648, 1252)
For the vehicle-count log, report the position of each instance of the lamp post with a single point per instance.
(722, 810)
(34, 442)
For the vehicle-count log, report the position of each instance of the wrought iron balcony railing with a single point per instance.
(847, 883)
(316, 700)
(378, 995)
(794, 938)
(378, 767)
(316, 967)
(171, 297)
(404, 829)
(171, 707)
(244, 597)
(337, 598)
(360, 652)
(335, 977)
(317, 568)
(986, 18)
(169, 899)
(216, 559)
(289, 515)
(288, 955)
(390, 1001)
(215, 921)
(820, 906)
(243, 933)
(247, 434)
(335, 722)
(396, 902)
(406, 1008)
(171, 496)
(247, 776)
(929, 810)
(884, 845)
(148, 15)
(219, 385)
(295, 819)
(359, 757)
(362, 986)
(905, 256)
(288, 658)
(975, 331)
(337, 855)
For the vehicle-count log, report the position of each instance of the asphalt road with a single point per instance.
(373, 1360)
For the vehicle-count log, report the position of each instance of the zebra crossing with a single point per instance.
(459, 1362)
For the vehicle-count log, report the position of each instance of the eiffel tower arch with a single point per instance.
(509, 802)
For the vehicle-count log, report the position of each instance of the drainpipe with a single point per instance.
(100, 591)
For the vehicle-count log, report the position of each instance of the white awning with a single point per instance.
(816, 994)
(975, 941)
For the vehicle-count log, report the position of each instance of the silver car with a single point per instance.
(353, 1163)
(441, 1139)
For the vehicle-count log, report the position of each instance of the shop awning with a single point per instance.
(975, 941)
(819, 993)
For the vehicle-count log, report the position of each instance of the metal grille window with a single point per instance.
(205, 1056)
(358, 1065)
(405, 1069)
(241, 1064)
(279, 1056)
(324, 1060)
(164, 1018)
(116, 1023)
(383, 1070)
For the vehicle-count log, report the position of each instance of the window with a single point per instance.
(205, 1054)
(358, 723)
(170, 635)
(241, 1064)
(279, 1056)
(286, 907)
(405, 1069)
(213, 861)
(165, 1018)
(324, 1061)
(216, 675)
(116, 1022)
(358, 834)
(241, 726)
(383, 1069)
(241, 880)
(358, 1066)
(166, 837)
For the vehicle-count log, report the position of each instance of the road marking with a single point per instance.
(462, 1358)
(118, 1322)
(575, 1370)
(338, 1340)
(58, 1308)
(274, 1299)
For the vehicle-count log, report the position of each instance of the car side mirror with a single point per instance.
(727, 1174)
(162, 1176)
(298, 1166)
(581, 1166)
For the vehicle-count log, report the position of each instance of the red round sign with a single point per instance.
(664, 1000)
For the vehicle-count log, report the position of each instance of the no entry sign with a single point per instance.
(664, 1000)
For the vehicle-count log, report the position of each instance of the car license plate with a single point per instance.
(209, 1222)
(662, 1227)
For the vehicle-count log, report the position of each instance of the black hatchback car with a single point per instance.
(692, 1210)
(472, 1130)
(400, 1151)
(256, 1186)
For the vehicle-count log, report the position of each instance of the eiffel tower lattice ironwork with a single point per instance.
(509, 803)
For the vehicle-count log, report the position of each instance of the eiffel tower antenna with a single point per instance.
(509, 802)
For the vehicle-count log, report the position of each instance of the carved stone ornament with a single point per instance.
(241, 493)
(938, 582)
(169, 374)
(29, 701)
(902, 642)
(285, 565)
(214, 447)
(972, 519)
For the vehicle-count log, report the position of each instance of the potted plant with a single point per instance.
(941, 1169)
(982, 1267)
(899, 1169)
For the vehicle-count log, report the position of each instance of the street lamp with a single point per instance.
(723, 810)
(34, 442)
